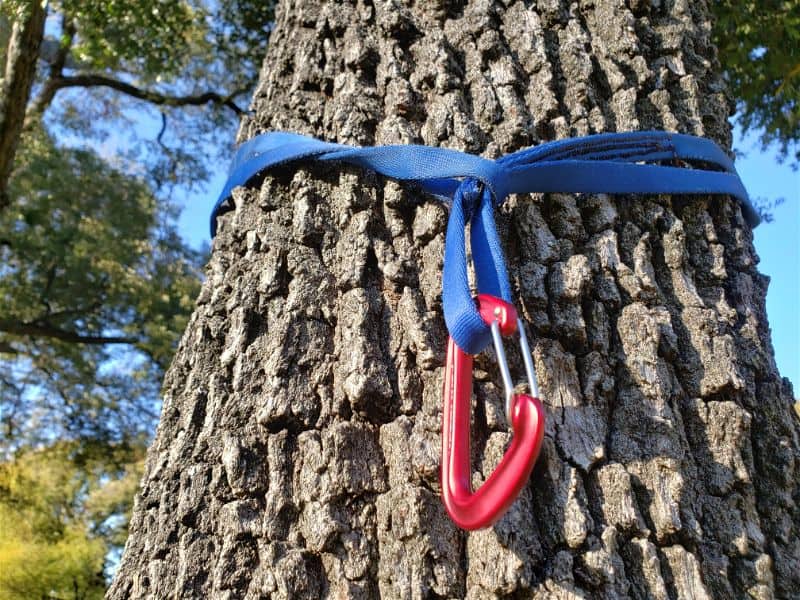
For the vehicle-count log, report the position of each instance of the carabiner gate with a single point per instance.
(474, 510)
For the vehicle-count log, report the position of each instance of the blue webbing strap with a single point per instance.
(604, 163)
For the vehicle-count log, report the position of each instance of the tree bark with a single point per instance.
(19, 72)
(298, 450)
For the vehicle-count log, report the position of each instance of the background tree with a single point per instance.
(759, 44)
(95, 282)
(297, 452)
(63, 510)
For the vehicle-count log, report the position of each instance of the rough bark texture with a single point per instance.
(298, 451)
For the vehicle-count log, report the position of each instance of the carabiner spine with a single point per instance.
(505, 372)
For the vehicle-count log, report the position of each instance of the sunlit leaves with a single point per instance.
(150, 36)
(63, 511)
(759, 44)
(35, 568)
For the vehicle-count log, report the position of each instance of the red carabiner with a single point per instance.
(474, 510)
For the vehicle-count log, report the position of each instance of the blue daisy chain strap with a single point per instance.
(610, 163)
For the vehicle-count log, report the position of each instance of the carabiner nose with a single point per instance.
(474, 510)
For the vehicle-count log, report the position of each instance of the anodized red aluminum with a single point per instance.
(481, 508)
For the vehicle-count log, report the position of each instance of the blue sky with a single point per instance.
(778, 246)
(777, 243)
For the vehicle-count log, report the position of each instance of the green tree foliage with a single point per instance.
(94, 292)
(759, 48)
(128, 100)
(63, 515)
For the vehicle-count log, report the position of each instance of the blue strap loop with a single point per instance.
(472, 203)
(613, 163)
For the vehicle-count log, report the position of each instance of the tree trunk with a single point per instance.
(19, 72)
(298, 450)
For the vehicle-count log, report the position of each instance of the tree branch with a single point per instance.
(48, 331)
(56, 67)
(94, 80)
(71, 312)
(6, 348)
(162, 130)
(15, 86)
